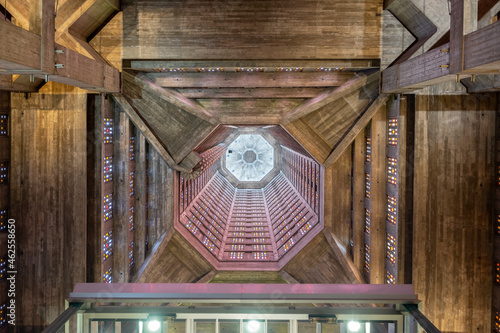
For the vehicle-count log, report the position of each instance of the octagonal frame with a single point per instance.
(269, 176)
(216, 258)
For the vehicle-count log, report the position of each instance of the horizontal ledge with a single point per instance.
(250, 80)
(244, 293)
(231, 311)
(271, 65)
(249, 93)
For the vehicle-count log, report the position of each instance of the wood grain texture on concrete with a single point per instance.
(454, 145)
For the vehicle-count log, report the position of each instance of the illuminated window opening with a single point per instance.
(108, 130)
(392, 170)
(367, 259)
(391, 210)
(3, 267)
(390, 279)
(393, 132)
(4, 172)
(107, 277)
(367, 221)
(108, 207)
(4, 217)
(107, 245)
(108, 169)
(391, 249)
(4, 124)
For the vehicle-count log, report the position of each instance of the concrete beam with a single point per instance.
(21, 84)
(251, 80)
(86, 73)
(144, 65)
(82, 25)
(330, 96)
(482, 83)
(244, 293)
(150, 136)
(463, 21)
(20, 51)
(83, 17)
(476, 52)
(173, 97)
(248, 93)
(415, 21)
(21, 54)
(250, 111)
(427, 69)
(356, 128)
(349, 268)
(155, 253)
(482, 50)
(20, 10)
(42, 23)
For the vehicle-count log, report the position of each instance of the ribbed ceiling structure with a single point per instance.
(236, 227)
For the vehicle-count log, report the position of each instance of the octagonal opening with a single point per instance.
(256, 203)
(249, 158)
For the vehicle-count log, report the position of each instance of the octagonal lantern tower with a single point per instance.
(250, 157)
(257, 206)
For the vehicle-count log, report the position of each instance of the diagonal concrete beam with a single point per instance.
(357, 127)
(83, 25)
(349, 267)
(20, 12)
(174, 97)
(153, 257)
(330, 96)
(84, 17)
(178, 130)
(148, 133)
(417, 23)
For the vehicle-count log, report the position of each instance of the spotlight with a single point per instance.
(154, 325)
(353, 326)
(253, 326)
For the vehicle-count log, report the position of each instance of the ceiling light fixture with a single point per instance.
(253, 326)
(353, 326)
(154, 325)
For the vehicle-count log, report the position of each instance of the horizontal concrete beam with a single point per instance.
(481, 55)
(21, 54)
(251, 80)
(142, 65)
(427, 69)
(248, 93)
(244, 293)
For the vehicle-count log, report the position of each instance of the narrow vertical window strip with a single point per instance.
(392, 131)
(4, 124)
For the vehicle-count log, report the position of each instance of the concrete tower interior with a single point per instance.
(318, 142)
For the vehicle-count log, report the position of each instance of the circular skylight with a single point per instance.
(250, 157)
